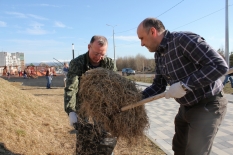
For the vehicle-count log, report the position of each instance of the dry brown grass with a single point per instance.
(33, 122)
(227, 89)
(103, 93)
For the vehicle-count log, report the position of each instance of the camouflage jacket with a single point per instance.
(77, 67)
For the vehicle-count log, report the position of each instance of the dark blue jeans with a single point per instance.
(49, 80)
(197, 126)
(226, 79)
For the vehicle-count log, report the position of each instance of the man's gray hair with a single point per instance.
(101, 40)
(153, 22)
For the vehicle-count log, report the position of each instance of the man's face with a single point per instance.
(96, 52)
(148, 38)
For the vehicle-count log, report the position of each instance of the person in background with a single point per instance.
(52, 69)
(28, 70)
(8, 75)
(228, 77)
(19, 72)
(93, 58)
(25, 74)
(22, 73)
(4, 71)
(192, 68)
(49, 75)
(65, 71)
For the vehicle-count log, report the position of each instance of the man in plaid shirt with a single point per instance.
(193, 69)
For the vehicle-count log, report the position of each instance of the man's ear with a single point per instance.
(89, 46)
(153, 31)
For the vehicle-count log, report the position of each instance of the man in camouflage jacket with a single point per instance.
(95, 57)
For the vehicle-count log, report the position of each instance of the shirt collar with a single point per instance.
(164, 42)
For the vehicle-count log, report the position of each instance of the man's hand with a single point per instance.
(72, 118)
(175, 91)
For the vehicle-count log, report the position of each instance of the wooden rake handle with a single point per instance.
(158, 96)
(127, 107)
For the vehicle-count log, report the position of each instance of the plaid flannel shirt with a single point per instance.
(186, 57)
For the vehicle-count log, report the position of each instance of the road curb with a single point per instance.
(156, 143)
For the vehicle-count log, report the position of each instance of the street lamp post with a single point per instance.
(73, 49)
(227, 36)
(113, 42)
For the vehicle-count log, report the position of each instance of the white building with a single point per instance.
(13, 61)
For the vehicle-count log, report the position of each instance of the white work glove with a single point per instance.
(175, 91)
(72, 118)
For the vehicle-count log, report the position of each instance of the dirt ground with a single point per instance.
(54, 97)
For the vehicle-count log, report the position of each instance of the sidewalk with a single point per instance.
(161, 115)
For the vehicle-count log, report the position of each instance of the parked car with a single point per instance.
(128, 71)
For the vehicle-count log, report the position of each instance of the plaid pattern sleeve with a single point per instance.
(158, 86)
(186, 57)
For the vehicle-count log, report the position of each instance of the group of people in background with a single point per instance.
(20, 73)
(27, 73)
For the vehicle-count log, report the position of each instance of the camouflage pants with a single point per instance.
(92, 140)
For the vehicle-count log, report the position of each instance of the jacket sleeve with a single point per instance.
(109, 64)
(71, 89)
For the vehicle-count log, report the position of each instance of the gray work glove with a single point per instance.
(73, 118)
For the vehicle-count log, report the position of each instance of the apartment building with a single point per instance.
(13, 62)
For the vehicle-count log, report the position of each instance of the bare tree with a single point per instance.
(139, 63)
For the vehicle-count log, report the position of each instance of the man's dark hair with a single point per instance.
(101, 40)
(153, 22)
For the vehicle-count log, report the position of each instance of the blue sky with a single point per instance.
(46, 29)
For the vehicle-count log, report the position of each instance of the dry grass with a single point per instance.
(103, 92)
(227, 89)
(141, 78)
(33, 122)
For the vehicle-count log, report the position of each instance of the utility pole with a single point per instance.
(73, 49)
(113, 42)
(227, 36)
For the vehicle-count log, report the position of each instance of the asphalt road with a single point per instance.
(145, 75)
(57, 81)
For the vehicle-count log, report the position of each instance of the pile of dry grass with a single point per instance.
(30, 125)
(103, 93)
